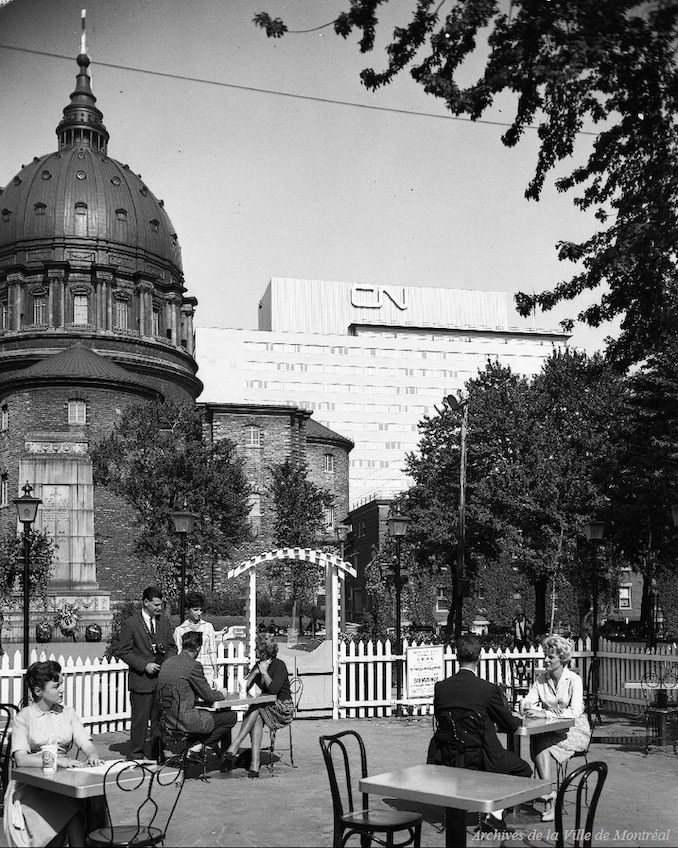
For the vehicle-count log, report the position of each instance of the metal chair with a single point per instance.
(7, 713)
(458, 739)
(591, 694)
(178, 741)
(296, 689)
(579, 781)
(146, 803)
(521, 679)
(378, 825)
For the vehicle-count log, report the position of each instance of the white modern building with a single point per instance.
(370, 361)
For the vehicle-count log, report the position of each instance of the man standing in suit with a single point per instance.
(183, 677)
(145, 642)
(465, 690)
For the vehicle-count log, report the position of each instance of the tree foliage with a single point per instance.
(157, 459)
(299, 522)
(42, 554)
(608, 64)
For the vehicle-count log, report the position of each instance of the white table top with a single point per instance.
(535, 726)
(234, 701)
(464, 789)
(73, 782)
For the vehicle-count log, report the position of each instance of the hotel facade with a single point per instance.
(370, 361)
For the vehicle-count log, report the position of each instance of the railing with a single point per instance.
(97, 688)
(367, 673)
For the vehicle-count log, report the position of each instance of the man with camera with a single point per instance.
(145, 642)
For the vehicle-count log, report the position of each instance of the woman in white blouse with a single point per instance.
(557, 692)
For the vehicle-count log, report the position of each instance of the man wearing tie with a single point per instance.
(145, 642)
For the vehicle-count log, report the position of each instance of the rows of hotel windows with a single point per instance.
(348, 388)
(334, 368)
(350, 350)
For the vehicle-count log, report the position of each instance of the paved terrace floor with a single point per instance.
(293, 806)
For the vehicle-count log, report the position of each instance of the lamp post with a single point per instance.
(397, 528)
(183, 525)
(451, 402)
(594, 532)
(342, 534)
(27, 509)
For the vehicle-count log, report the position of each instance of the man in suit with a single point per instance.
(145, 642)
(184, 678)
(465, 690)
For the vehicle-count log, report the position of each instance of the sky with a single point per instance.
(380, 188)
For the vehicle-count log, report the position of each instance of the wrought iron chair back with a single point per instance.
(458, 739)
(7, 713)
(140, 801)
(591, 693)
(346, 762)
(173, 737)
(586, 799)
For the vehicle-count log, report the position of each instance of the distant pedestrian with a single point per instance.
(522, 631)
(195, 608)
(145, 642)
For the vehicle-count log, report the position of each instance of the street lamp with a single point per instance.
(594, 532)
(183, 525)
(342, 534)
(27, 509)
(397, 528)
(451, 402)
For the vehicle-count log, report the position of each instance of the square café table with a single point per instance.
(533, 727)
(458, 790)
(234, 701)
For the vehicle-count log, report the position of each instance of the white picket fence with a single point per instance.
(367, 674)
(97, 688)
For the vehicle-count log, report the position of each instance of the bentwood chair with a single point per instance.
(296, 689)
(168, 702)
(140, 801)
(458, 739)
(587, 782)
(7, 713)
(341, 752)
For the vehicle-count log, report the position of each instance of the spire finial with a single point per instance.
(83, 34)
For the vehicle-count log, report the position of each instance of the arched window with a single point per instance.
(39, 309)
(121, 214)
(80, 208)
(39, 208)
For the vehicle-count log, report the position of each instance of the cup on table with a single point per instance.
(49, 757)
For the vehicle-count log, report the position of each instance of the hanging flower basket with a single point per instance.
(93, 633)
(43, 631)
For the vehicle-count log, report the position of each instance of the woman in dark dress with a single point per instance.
(271, 676)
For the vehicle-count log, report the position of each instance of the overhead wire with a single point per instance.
(277, 93)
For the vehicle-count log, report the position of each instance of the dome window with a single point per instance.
(5, 214)
(80, 175)
(174, 240)
(39, 309)
(46, 175)
(116, 181)
(80, 208)
(143, 191)
(154, 224)
(16, 180)
(121, 315)
(80, 309)
(121, 214)
(39, 208)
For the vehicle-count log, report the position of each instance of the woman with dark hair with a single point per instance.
(271, 676)
(37, 817)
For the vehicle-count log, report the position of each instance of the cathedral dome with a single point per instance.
(79, 197)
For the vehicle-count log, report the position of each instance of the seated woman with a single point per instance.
(270, 674)
(557, 692)
(38, 817)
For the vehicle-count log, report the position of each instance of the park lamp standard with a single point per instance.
(27, 510)
(342, 532)
(594, 532)
(397, 528)
(183, 525)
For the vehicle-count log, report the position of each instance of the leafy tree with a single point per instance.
(606, 63)
(42, 555)
(299, 523)
(157, 459)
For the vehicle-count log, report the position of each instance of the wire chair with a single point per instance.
(579, 781)
(168, 702)
(7, 713)
(297, 690)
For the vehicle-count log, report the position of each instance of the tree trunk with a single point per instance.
(540, 585)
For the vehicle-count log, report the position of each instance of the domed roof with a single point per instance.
(79, 193)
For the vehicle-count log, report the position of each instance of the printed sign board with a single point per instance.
(425, 667)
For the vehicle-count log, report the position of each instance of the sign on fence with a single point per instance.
(425, 667)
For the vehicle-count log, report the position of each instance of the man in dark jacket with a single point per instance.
(145, 642)
(465, 690)
(184, 679)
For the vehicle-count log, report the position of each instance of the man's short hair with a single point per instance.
(191, 640)
(468, 649)
(194, 599)
(151, 592)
